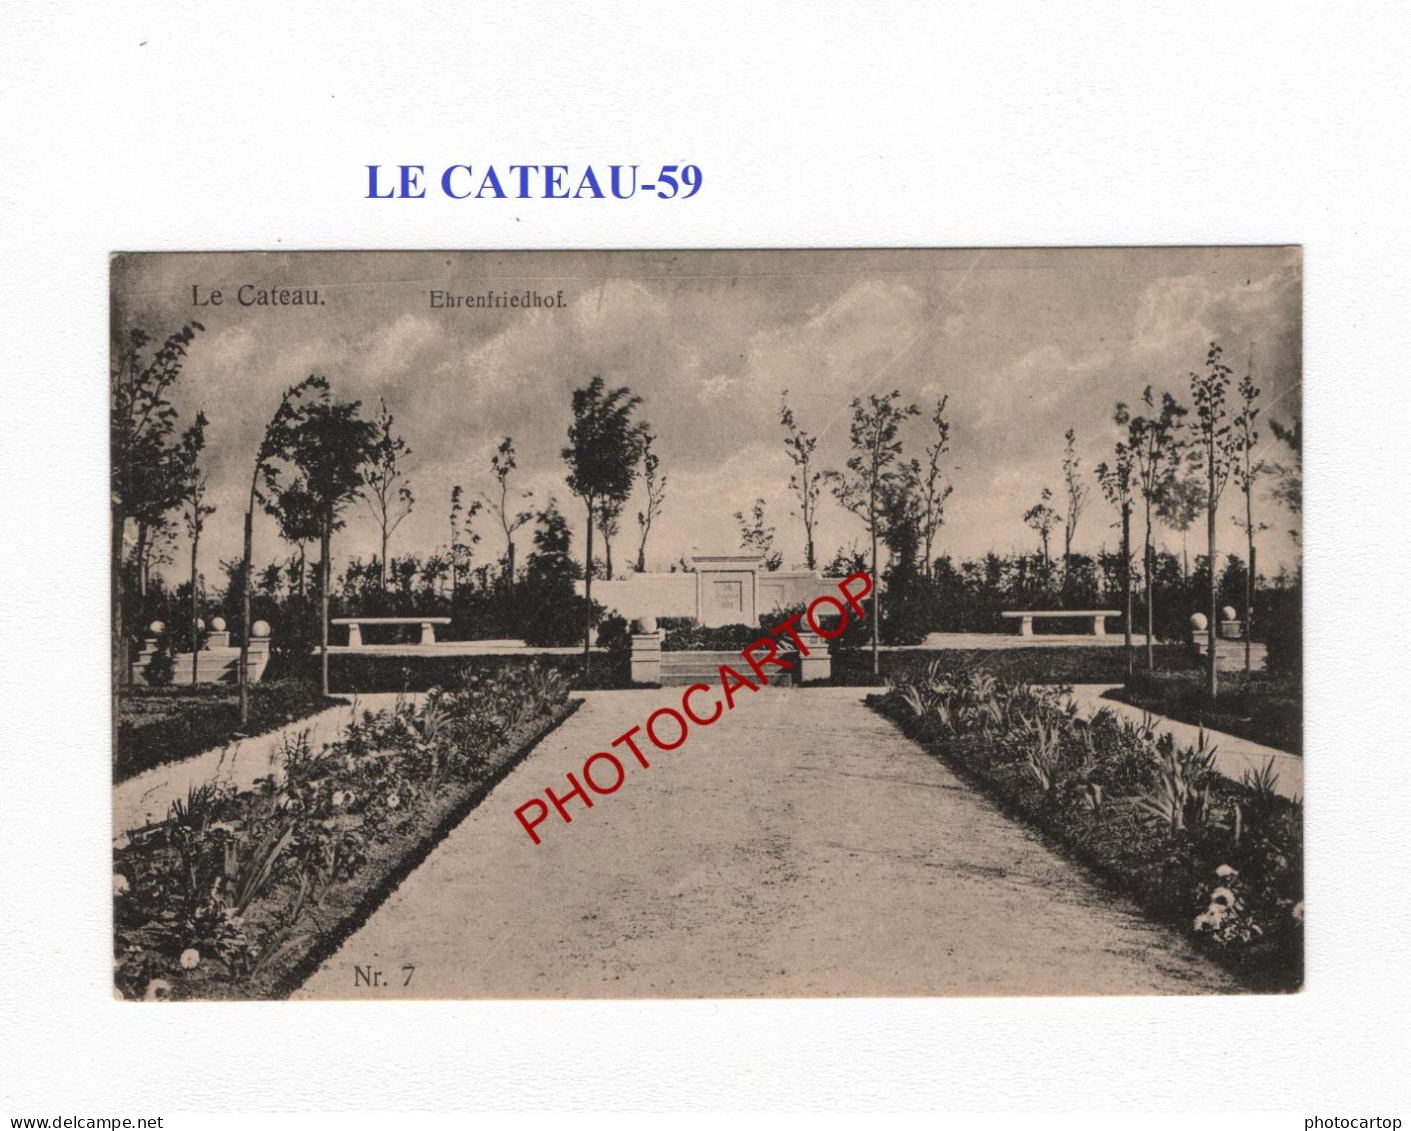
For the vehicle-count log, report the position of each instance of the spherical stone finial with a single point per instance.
(644, 626)
(1228, 613)
(156, 628)
(1198, 622)
(260, 628)
(218, 624)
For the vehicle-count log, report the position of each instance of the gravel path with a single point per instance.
(801, 846)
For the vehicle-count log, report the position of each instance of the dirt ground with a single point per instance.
(801, 846)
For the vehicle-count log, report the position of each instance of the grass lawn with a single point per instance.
(1260, 706)
(157, 725)
(1078, 664)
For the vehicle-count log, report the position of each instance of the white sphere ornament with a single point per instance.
(644, 625)
(156, 628)
(261, 628)
(1198, 622)
(1228, 613)
(218, 624)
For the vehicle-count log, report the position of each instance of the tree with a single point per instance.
(933, 492)
(388, 492)
(273, 445)
(610, 523)
(1155, 442)
(870, 471)
(1179, 506)
(1213, 453)
(602, 453)
(142, 422)
(1041, 518)
(902, 520)
(1116, 482)
(293, 509)
(336, 452)
(655, 481)
(196, 512)
(510, 517)
(1077, 494)
(1289, 488)
(463, 538)
(757, 536)
(1247, 471)
(803, 480)
(165, 472)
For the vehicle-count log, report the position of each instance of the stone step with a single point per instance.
(216, 666)
(710, 678)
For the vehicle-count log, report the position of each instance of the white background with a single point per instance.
(170, 126)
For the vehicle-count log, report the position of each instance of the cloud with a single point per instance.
(1025, 343)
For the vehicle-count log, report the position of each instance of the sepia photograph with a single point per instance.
(702, 624)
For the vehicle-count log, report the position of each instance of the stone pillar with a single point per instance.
(1099, 626)
(259, 650)
(646, 651)
(143, 658)
(219, 636)
(817, 666)
(1026, 626)
(355, 635)
(428, 632)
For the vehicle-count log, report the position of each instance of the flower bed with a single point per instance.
(157, 725)
(241, 895)
(1220, 860)
(1264, 707)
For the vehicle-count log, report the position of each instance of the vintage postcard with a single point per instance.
(653, 624)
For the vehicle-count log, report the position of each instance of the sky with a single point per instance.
(1024, 344)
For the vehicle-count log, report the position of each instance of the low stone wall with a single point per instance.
(650, 665)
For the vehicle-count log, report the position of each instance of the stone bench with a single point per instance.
(1026, 618)
(355, 632)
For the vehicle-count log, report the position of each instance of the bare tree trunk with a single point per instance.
(588, 596)
(326, 567)
(1249, 609)
(195, 610)
(1212, 678)
(143, 533)
(382, 573)
(876, 605)
(1249, 575)
(509, 560)
(607, 556)
(119, 645)
(243, 673)
(1149, 557)
(1127, 588)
